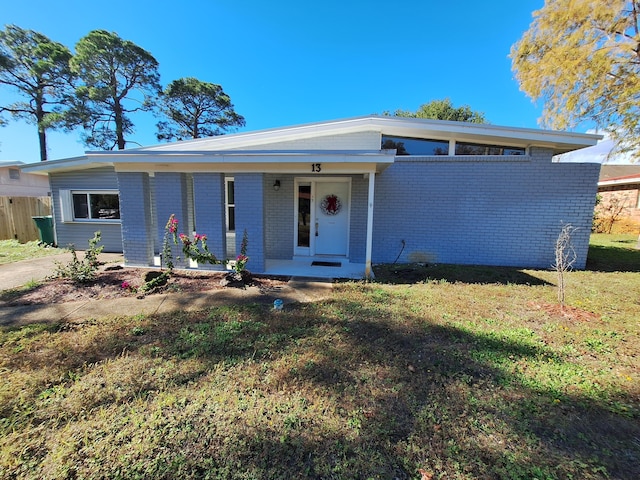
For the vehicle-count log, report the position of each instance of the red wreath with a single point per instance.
(331, 205)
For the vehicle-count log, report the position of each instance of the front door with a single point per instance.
(322, 217)
(331, 230)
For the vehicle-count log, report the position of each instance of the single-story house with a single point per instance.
(622, 183)
(330, 198)
(15, 183)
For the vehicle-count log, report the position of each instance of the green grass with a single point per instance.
(613, 253)
(464, 374)
(14, 251)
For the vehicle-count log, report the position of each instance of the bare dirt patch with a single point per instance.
(126, 282)
(567, 312)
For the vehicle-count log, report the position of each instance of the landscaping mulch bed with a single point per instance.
(125, 282)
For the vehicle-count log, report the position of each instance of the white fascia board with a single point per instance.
(291, 162)
(11, 163)
(65, 164)
(620, 181)
(249, 156)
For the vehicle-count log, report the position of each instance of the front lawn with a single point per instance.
(613, 253)
(14, 251)
(458, 375)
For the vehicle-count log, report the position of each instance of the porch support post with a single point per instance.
(372, 183)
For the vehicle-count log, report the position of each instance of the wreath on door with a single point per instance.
(330, 205)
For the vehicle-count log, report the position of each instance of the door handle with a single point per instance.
(316, 229)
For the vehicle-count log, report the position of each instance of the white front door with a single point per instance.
(331, 218)
(322, 217)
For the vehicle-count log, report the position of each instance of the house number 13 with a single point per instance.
(316, 167)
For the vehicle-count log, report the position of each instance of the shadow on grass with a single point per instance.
(613, 258)
(417, 273)
(362, 393)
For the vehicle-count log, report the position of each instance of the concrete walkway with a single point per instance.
(19, 273)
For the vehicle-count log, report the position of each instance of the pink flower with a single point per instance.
(125, 285)
(200, 237)
(185, 239)
(172, 224)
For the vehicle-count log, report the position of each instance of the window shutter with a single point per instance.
(66, 206)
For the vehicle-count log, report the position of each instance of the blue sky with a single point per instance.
(287, 62)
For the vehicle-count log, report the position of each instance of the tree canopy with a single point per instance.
(442, 110)
(118, 78)
(581, 58)
(196, 109)
(38, 69)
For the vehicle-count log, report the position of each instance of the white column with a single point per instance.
(452, 147)
(372, 182)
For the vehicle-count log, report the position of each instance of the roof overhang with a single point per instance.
(559, 141)
(249, 151)
(344, 162)
(629, 180)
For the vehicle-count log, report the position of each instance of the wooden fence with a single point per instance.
(15, 217)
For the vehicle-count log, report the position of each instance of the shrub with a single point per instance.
(81, 271)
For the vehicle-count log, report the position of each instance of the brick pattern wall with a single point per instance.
(358, 220)
(280, 224)
(172, 198)
(208, 191)
(627, 196)
(250, 215)
(137, 228)
(491, 211)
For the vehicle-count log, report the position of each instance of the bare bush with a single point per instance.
(565, 258)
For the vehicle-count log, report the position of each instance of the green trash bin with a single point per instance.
(45, 226)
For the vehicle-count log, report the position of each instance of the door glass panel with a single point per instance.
(304, 215)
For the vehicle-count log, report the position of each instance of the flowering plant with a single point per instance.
(170, 230)
(196, 248)
(193, 251)
(242, 259)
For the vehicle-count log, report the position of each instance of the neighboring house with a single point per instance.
(621, 184)
(15, 183)
(22, 196)
(342, 194)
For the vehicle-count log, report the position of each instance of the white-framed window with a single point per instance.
(90, 205)
(230, 203)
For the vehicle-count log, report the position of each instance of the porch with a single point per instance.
(316, 267)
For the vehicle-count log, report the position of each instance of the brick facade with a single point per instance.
(137, 227)
(250, 215)
(491, 211)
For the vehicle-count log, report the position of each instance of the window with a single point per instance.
(97, 206)
(14, 174)
(430, 147)
(463, 148)
(415, 146)
(230, 202)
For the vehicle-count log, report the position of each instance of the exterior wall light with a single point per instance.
(276, 185)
